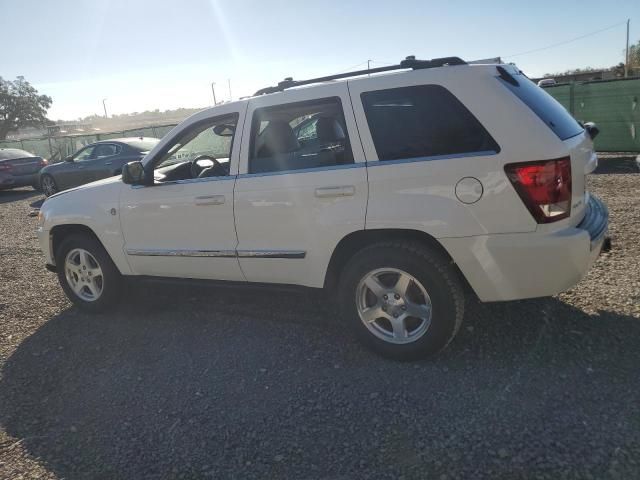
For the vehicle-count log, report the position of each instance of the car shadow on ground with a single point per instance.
(618, 165)
(8, 196)
(218, 383)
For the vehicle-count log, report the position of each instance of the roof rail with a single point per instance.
(408, 63)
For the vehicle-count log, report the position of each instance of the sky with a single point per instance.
(163, 54)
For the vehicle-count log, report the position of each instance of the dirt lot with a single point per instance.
(187, 382)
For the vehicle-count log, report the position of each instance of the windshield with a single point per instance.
(11, 153)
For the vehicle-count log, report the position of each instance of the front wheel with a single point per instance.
(48, 185)
(87, 274)
(403, 299)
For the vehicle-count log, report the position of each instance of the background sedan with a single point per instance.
(19, 168)
(95, 161)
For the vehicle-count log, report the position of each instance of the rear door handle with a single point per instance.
(210, 200)
(342, 191)
(107, 163)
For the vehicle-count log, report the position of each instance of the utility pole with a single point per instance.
(626, 55)
(105, 107)
(214, 94)
(229, 81)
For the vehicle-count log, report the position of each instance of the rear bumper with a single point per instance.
(529, 265)
(11, 181)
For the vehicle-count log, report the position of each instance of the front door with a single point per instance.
(302, 185)
(182, 225)
(75, 171)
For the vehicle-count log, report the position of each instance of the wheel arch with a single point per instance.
(355, 241)
(59, 232)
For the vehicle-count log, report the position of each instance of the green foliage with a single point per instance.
(21, 106)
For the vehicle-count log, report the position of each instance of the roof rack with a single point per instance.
(408, 63)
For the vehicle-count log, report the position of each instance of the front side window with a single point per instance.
(84, 155)
(422, 121)
(202, 151)
(299, 135)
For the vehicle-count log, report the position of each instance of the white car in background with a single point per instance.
(393, 190)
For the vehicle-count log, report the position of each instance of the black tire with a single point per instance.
(111, 280)
(432, 269)
(48, 191)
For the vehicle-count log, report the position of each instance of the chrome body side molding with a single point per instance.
(217, 253)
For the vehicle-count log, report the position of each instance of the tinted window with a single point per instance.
(105, 150)
(544, 106)
(299, 135)
(422, 121)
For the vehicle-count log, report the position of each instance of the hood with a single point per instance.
(93, 186)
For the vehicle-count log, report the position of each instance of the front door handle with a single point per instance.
(107, 163)
(342, 191)
(210, 200)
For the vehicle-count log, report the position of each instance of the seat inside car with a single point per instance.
(329, 130)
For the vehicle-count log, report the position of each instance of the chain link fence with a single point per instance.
(56, 148)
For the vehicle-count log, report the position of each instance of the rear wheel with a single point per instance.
(87, 274)
(48, 185)
(403, 299)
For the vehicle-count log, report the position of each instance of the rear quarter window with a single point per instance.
(547, 108)
(423, 121)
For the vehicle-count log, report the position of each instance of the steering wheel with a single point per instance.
(196, 169)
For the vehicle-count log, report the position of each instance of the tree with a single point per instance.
(634, 55)
(21, 106)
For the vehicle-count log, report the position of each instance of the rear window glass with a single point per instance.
(143, 145)
(423, 121)
(544, 106)
(11, 153)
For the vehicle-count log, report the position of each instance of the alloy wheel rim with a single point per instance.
(84, 275)
(394, 305)
(49, 186)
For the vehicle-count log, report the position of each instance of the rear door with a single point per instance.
(300, 191)
(104, 160)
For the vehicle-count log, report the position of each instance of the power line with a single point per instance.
(566, 41)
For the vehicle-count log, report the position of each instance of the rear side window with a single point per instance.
(544, 106)
(299, 135)
(423, 121)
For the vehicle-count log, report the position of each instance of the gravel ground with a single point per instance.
(187, 382)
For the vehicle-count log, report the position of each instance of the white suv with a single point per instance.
(396, 192)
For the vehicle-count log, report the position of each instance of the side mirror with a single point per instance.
(592, 129)
(133, 173)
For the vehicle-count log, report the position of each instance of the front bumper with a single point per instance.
(44, 238)
(528, 265)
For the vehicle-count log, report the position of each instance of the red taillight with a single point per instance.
(5, 168)
(544, 187)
